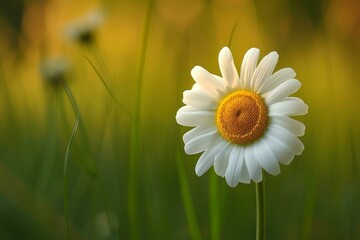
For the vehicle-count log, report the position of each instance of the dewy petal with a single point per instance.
(287, 138)
(190, 117)
(199, 99)
(295, 127)
(264, 70)
(276, 79)
(222, 158)
(266, 158)
(207, 159)
(283, 153)
(227, 67)
(252, 165)
(207, 81)
(290, 106)
(283, 90)
(235, 167)
(201, 143)
(248, 67)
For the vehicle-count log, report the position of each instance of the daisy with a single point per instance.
(54, 70)
(83, 29)
(242, 122)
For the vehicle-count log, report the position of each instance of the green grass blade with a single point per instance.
(91, 167)
(233, 31)
(66, 163)
(186, 196)
(135, 138)
(108, 88)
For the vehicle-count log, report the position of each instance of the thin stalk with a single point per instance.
(135, 138)
(66, 163)
(92, 168)
(233, 31)
(71, 98)
(67, 155)
(260, 210)
(127, 112)
(214, 206)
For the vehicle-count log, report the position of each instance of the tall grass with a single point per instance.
(141, 67)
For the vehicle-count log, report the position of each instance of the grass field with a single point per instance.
(127, 176)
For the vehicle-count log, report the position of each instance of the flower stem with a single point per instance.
(260, 210)
(214, 207)
(67, 155)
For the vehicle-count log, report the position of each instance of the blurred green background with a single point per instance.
(316, 197)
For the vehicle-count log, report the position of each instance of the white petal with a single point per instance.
(205, 162)
(232, 174)
(197, 87)
(186, 109)
(252, 164)
(290, 106)
(199, 100)
(202, 142)
(207, 81)
(287, 138)
(226, 87)
(276, 79)
(207, 159)
(222, 158)
(244, 175)
(248, 67)
(264, 70)
(236, 161)
(190, 117)
(227, 67)
(283, 90)
(295, 127)
(266, 157)
(283, 153)
(197, 131)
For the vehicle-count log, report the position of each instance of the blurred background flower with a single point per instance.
(54, 70)
(83, 29)
(319, 192)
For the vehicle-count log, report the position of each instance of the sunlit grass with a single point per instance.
(315, 197)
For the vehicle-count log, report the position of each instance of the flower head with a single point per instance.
(54, 70)
(243, 122)
(83, 29)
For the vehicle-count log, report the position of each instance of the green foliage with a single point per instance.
(315, 197)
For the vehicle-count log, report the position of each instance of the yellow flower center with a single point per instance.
(242, 117)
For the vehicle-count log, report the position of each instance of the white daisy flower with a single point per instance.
(83, 29)
(242, 122)
(54, 70)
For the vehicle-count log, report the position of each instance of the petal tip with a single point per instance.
(226, 48)
(254, 49)
(195, 70)
(225, 54)
(232, 185)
